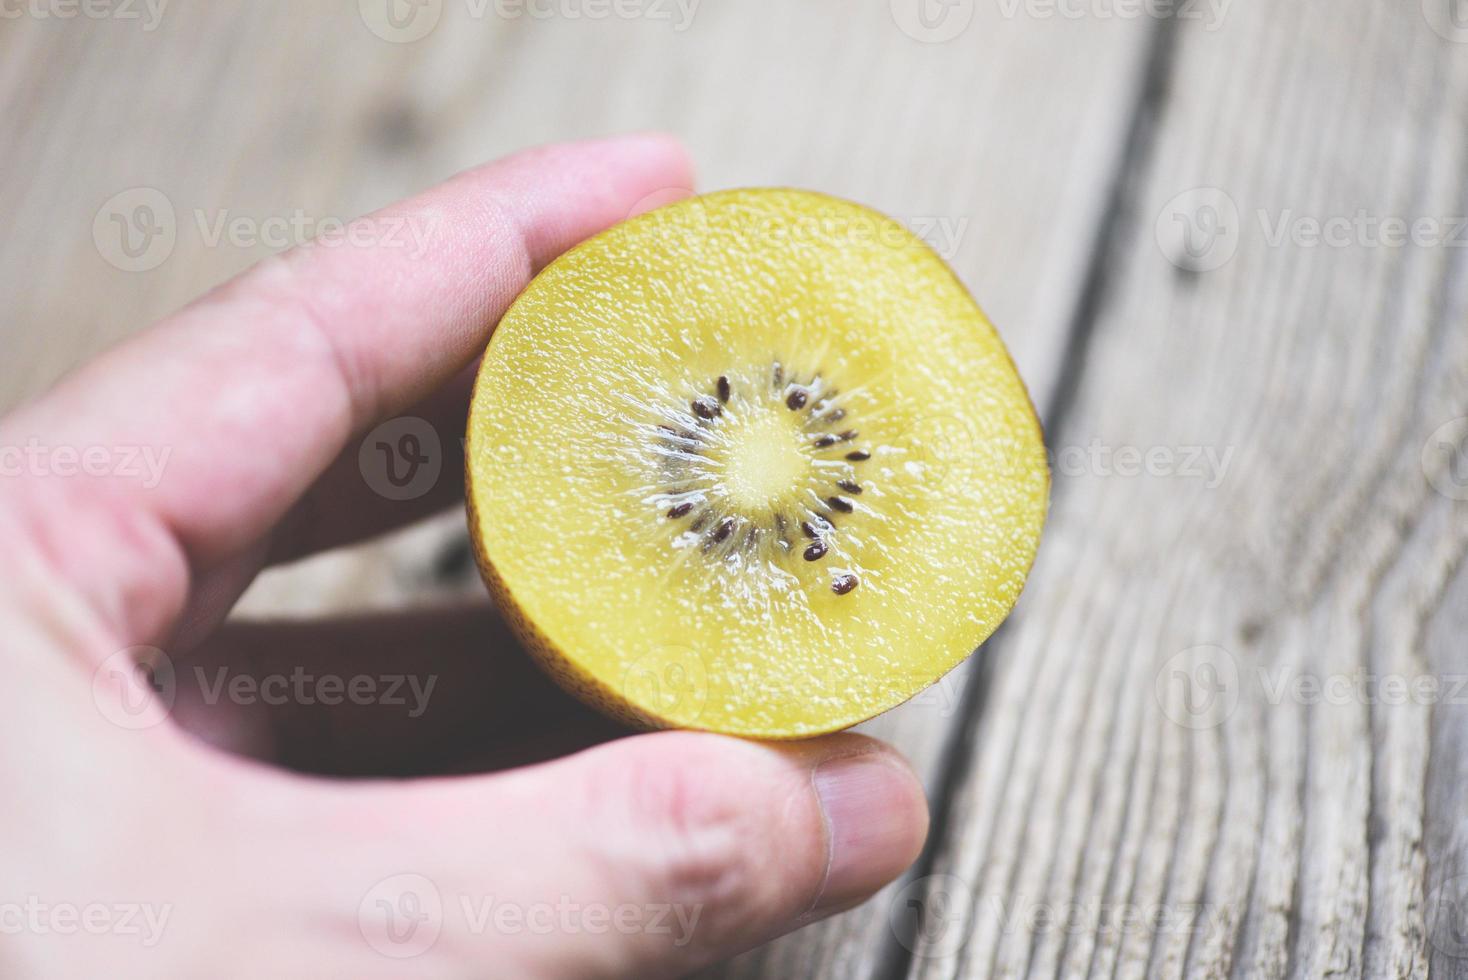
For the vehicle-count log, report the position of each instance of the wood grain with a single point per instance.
(1187, 721)
(1197, 757)
(1000, 145)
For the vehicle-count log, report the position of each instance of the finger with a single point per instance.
(650, 856)
(384, 695)
(247, 395)
(354, 499)
(373, 486)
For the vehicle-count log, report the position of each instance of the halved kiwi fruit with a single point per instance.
(755, 463)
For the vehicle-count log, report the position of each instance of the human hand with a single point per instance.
(645, 856)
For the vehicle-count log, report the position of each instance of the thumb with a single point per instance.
(649, 856)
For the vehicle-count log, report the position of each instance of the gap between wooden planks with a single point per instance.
(1184, 766)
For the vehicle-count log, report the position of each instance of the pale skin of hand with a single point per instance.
(261, 392)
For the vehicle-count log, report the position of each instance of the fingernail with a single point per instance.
(876, 820)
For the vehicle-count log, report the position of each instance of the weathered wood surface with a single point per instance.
(259, 111)
(1084, 767)
(1224, 738)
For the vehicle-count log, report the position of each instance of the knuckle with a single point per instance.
(700, 837)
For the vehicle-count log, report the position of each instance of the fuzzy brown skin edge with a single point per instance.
(561, 669)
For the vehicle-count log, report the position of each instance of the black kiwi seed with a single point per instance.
(722, 533)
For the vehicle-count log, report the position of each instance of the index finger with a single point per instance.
(255, 388)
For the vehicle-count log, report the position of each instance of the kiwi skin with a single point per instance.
(562, 669)
(583, 685)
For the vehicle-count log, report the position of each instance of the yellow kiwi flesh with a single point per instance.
(755, 463)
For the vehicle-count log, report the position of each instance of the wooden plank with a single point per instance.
(998, 143)
(1195, 758)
